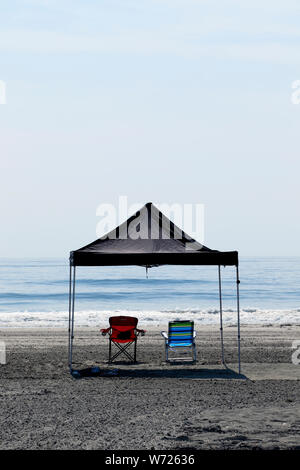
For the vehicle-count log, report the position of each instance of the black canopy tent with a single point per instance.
(149, 238)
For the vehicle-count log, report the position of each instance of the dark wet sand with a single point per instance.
(151, 405)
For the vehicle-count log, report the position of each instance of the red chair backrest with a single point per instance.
(123, 328)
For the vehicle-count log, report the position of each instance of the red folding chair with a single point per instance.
(122, 332)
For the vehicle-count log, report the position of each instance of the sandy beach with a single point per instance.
(151, 405)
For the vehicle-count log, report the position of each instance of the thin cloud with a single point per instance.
(145, 43)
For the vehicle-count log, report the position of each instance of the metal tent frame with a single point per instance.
(72, 282)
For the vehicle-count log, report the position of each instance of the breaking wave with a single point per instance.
(96, 318)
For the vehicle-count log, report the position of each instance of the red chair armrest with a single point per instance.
(142, 332)
(104, 331)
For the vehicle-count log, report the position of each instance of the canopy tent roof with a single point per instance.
(149, 238)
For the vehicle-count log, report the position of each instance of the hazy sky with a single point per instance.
(185, 101)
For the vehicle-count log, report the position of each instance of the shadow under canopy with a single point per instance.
(149, 238)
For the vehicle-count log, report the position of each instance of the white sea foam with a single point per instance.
(93, 318)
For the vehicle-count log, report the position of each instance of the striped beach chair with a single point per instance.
(181, 334)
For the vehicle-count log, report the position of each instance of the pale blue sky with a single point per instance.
(185, 101)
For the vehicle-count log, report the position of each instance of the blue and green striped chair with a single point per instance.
(181, 334)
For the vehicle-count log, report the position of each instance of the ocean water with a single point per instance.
(34, 292)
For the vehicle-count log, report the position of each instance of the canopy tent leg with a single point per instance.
(72, 319)
(221, 316)
(238, 315)
(70, 311)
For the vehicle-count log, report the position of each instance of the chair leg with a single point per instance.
(194, 352)
(135, 351)
(109, 351)
(122, 350)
